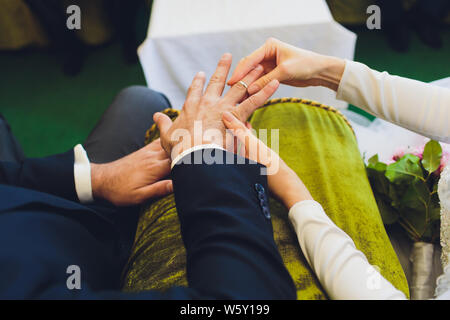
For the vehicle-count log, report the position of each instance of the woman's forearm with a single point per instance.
(411, 104)
(343, 271)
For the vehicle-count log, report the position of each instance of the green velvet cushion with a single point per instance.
(319, 145)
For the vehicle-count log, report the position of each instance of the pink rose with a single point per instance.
(399, 152)
(390, 161)
(445, 159)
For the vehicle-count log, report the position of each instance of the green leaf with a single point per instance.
(377, 178)
(388, 214)
(373, 160)
(435, 231)
(435, 187)
(417, 196)
(435, 207)
(404, 170)
(416, 206)
(393, 194)
(416, 221)
(435, 213)
(376, 174)
(432, 156)
(373, 163)
(379, 166)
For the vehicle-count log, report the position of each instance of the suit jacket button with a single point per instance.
(266, 212)
(262, 200)
(259, 188)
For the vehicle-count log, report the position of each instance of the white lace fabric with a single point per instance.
(443, 282)
(444, 197)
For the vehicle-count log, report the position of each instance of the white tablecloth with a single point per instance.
(187, 36)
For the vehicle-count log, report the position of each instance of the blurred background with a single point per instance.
(55, 83)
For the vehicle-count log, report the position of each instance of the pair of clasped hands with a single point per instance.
(137, 177)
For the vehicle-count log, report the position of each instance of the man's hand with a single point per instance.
(133, 179)
(200, 121)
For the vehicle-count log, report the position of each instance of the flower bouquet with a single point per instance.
(406, 193)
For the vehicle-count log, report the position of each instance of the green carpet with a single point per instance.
(50, 113)
(421, 62)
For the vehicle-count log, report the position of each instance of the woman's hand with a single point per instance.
(291, 66)
(283, 181)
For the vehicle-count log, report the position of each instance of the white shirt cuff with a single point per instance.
(82, 175)
(193, 149)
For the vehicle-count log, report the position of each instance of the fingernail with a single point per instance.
(169, 187)
(200, 74)
(226, 55)
(259, 67)
(227, 116)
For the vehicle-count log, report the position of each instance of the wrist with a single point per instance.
(298, 195)
(295, 193)
(288, 187)
(331, 71)
(186, 145)
(97, 177)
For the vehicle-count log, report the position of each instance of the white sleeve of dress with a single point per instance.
(414, 105)
(343, 270)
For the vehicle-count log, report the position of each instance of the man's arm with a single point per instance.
(222, 207)
(53, 175)
(127, 181)
(226, 229)
(67, 175)
(227, 232)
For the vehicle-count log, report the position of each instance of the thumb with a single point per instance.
(256, 86)
(163, 122)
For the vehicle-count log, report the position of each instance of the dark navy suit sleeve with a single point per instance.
(52, 175)
(225, 226)
(227, 230)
